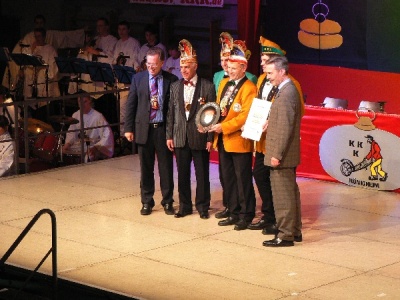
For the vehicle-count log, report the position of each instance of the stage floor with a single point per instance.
(350, 248)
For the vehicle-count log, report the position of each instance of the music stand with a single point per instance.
(71, 65)
(100, 72)
(22, 59)
(124, 73)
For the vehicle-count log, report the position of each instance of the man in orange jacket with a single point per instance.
(235, 96)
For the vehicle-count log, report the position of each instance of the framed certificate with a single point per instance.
(258, 114)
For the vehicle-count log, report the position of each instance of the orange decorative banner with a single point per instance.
(209, 3)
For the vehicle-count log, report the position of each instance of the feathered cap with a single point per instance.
(226, 42)
(269, 47)
(239, 52)
(188, 54)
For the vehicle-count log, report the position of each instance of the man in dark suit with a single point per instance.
(282, 154)
(146, 110)
(187, 97)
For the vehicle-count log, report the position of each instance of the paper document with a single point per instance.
(258, 114)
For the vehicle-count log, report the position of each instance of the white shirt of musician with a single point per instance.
(6, 155)
(101, 138)
(131, 48)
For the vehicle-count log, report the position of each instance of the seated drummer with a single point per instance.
(100, 140)
(6, 149)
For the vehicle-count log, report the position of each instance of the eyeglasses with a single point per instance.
(151, 65)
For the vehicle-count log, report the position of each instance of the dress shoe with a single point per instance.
(146, 209)
(258, 226)
(169, 209)
(182, 214)
(277, 242)
(270, 229)
(241, 225)
(204, 215)
(298, 238)
(223, 214)
(228, 221)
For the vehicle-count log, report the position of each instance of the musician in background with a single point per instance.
(55, 38)
(100, 141)
(173, 62)
(40, 81)
(151, 36)
(126, 53)
(100, 49)
(103, 45)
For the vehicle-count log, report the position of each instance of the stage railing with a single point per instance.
(52, 250)
(20, 128)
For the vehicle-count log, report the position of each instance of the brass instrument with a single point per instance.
(121, 59)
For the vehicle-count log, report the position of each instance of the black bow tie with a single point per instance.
(188, 82)
(231, 82)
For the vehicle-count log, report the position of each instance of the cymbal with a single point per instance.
(36, 126)
(63, 120)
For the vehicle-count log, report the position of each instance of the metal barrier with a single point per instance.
(24, 135)
(53, 250)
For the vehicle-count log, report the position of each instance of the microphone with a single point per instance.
(24, 45)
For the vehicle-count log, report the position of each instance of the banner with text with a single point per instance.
(208, 3)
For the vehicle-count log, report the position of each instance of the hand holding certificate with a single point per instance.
(258, 114)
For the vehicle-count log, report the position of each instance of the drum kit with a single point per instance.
(43, 143)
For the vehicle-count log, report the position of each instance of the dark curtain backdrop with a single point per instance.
(370, 30)
(248, 30)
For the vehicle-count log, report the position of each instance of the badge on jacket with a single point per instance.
(237, 107)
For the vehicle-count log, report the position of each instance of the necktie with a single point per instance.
(272, 93)
(154, 97)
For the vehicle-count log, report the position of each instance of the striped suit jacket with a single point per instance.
(283, 132)
(178, 128)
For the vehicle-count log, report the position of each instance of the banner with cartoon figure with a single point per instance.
(361, 155)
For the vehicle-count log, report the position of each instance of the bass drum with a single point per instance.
(45, 147)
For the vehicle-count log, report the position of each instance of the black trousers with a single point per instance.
(238, 190)
(261, 174)
(156, 146)
(201, 162)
